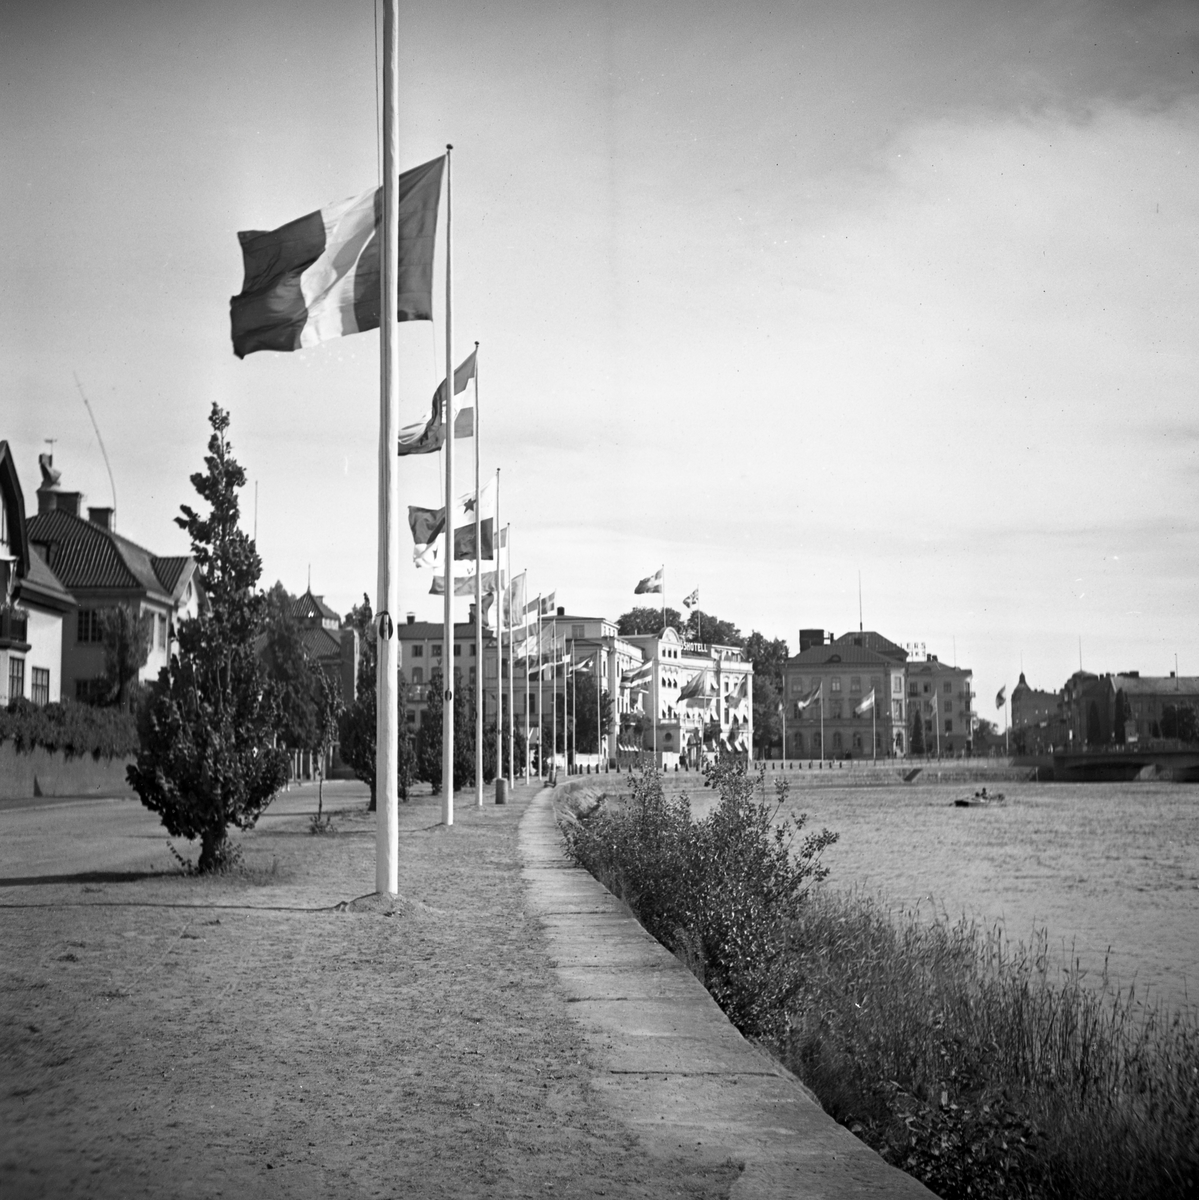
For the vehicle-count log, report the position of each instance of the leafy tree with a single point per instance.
(769, 656)
(1179, 721)
(428, 764)
(916, 741)
(1122, 714)
(705, 627)
(648, 620)
(358, 723)
(768, 721)
(295, 678)
(207, 761)
(126, 634)
(1094, 726)
(583, 694)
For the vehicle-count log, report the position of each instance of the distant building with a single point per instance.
(1089, 706)
(101, 569)
(845, 670)
(942, 693)
(333, 648)
(1036, 716)
(33, 603)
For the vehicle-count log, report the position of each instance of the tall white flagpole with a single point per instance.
(479, 599)
(511, 655)
(554, 696)
(528, 745)
(387, 599)
(540, 703)
(447, 712)
(501, 605)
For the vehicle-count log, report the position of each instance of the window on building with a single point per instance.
(913, 688)
(161, 622)
(474, 650)
(473, 674)
(418, 675)
(418, 651)
(897, 710)
(927, 689)
(876, 684)
(857, 741)
(412, 716)
(39, 689)
(457, 649)
(835, 683)
(16, 678)
(948, 725)
(855, 683)
(436, 649)
(835, 708)
(948, 687)
(578, 631)
(896, 685)
(837, 740)
(796, 685)
(87, 626)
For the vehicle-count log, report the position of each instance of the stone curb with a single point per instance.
(671, 1065)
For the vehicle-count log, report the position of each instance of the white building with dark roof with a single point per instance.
(101, 569)
(33, 603)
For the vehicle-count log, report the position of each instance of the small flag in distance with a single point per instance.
(1001, 697)
(692, 600)
(651, 583)
(867, 704)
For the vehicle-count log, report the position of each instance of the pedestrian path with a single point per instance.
(670, 1063)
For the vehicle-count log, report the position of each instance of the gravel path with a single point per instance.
(167, 1036)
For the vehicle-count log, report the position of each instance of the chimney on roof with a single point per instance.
(101, 517)
(561, 611)
(411, 618)
(809, 638)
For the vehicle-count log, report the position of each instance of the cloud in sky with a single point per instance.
(772, 295)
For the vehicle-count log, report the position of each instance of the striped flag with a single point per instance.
(651, 583)
(867, 704)
(428, 436)
(317, 277)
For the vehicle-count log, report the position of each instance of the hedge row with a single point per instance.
(75, 729)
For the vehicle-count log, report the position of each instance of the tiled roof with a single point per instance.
(170, 571)
(856, 656)
(85, 556)
(320, 642)
(1156, 685)
(935, 667)
(309, 605)
(870, 640)
(41, 583)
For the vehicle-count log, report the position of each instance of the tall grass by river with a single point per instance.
(973, 1062)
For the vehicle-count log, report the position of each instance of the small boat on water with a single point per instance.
(980, 799)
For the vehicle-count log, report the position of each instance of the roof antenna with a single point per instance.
(50, 442)
(860, 626)
(104, 452)
(310, 579)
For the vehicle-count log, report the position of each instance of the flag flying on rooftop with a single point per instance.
(548, 607)
(427, 436)
(1000, 698)
(692, 600)
(428, 526)
(651, 583)
(317, 277)
(867, 704)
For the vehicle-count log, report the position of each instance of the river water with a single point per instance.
(1102, 867)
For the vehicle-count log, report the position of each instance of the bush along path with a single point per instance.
(959, 1058)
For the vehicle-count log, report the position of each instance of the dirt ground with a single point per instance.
(162, 1035)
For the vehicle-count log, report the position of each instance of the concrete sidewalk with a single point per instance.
(670, 1063)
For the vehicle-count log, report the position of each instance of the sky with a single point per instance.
(775, 295)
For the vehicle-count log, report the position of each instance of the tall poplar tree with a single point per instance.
(208, 760)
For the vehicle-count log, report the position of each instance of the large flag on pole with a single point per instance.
(651, 583)
(317, 277)
(428, 436)
(805, 702)
(700, 684)
(464, 585)
(867, 704)
(514, 600)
